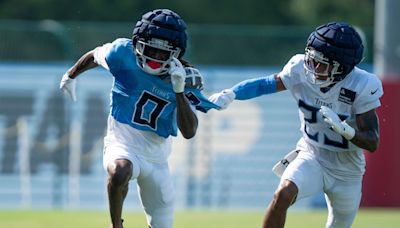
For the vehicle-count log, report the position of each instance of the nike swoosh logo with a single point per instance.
(373, 92)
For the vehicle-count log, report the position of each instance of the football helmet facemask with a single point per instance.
(320, 70)
(155, 55)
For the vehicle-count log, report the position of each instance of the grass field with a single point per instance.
(193, 219)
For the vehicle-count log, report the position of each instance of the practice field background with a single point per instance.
(193, 219)
(51, 171)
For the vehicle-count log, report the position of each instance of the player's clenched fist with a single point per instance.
(178, 75)
(340, 127)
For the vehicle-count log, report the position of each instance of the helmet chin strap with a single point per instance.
(325, 83)
(320, 83)
(330, 82)
(327, 88)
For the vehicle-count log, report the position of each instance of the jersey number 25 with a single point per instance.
(312, 113)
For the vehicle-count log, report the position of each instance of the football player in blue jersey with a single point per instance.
(337, 102)
(154, 93)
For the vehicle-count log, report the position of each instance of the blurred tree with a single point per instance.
(256, 12)
(315, 12)
(236, 12)
(253, 32)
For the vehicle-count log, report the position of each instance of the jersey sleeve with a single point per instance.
(100, 54)
(255, 87)
(292, 71)
(369, 96)
(112, 56)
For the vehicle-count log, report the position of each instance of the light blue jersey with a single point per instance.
(141, 100)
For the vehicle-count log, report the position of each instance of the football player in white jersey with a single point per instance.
(337, 102)
(152, 96)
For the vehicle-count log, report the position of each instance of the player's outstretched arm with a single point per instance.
(68, 82)
(85, 63)
(248, 89)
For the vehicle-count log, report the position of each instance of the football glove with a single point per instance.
(223, 99)
(178, 75)
(68, 86)
(340, 127)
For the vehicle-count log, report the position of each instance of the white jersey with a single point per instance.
(358, 93)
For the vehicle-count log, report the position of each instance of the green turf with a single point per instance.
(192, 219)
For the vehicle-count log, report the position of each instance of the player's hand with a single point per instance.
(178, 75)
(223, 99)
(340, 127)
(68, 86)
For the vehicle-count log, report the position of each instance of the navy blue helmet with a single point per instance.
(332, 51)
(157, 37)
